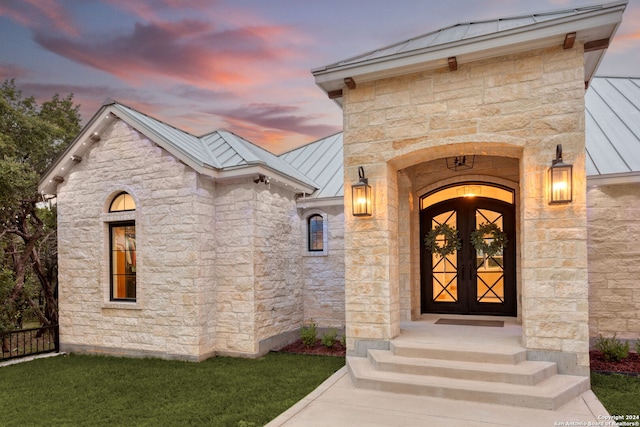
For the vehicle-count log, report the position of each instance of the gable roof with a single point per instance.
(479, 40)
(322, 161)
(220, 154)
(612, 128)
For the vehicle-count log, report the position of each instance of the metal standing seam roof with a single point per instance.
(473, 41)
(322, 161)
(612, 126)
(221, 149)
(463, 31)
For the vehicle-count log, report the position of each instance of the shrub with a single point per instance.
(309, 334)
(612, 349)
(329, 338)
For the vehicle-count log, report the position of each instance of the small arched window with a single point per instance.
(122, 202)
(316, 233)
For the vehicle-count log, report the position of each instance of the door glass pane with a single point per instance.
(467, 190)
(489, 269)
(445, 269)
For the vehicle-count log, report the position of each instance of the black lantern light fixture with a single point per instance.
(361, 196)
(560, 180)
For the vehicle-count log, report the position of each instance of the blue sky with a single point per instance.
(242, 65)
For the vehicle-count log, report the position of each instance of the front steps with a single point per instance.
(488, 373)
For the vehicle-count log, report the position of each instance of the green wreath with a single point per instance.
(498, 239)
(451, 240)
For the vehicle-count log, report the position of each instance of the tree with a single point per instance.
(31, 137)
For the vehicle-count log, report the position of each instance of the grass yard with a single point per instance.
(618, 393)
(76, 390)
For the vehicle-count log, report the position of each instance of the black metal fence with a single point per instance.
(26, 342)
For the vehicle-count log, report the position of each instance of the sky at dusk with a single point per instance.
(241, 65)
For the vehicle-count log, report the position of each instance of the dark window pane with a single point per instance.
(316, 231)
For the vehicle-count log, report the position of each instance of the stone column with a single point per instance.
(371, 263)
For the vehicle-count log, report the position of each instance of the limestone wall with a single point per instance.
(323, 273)
(613, 253)
(278, 265)
(234, 270)
(518, 106)
(171, 316)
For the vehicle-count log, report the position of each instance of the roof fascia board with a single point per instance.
(304, 203)
(275, 177)
(483, 47)
(614, 179)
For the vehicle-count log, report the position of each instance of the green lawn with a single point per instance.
(78, 390)
(618, 393)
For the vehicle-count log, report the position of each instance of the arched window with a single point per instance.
(122, 202)
(316, 233)
(122, 251)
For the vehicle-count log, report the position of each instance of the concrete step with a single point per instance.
(472, 352)
(525, 372)
(550, 393)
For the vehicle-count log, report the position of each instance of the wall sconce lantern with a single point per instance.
(560, 180)
(361, 196)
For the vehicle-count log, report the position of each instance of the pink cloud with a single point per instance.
(9, 71)
(189, 50)
(152, 9)
(276, 123)
(40, 13)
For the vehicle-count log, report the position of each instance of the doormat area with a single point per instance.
(471, 322)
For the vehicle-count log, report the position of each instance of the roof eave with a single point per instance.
(331, 77)
(613, 179)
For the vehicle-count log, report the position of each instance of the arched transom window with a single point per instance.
(122, 202)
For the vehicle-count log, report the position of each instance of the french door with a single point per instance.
(469, 281)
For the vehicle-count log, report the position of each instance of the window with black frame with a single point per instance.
(316, 233)
(122, 251)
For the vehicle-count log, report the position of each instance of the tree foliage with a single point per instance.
(31, 137)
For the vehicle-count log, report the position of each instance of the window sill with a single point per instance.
(121, 305)
(314, 254)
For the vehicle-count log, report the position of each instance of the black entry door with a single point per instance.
(468, 281)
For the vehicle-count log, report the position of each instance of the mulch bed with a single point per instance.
(299, 348)
(628, 366)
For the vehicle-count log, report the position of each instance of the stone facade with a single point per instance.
(323, 273)
(613, 252)
(517, 106)
(172, 316)
(221, 266)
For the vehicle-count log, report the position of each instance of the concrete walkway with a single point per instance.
(336, 402)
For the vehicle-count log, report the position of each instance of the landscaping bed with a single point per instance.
(298, 347)
(627, 366)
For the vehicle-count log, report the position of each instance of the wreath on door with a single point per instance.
(497, 238)
(451, 241)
